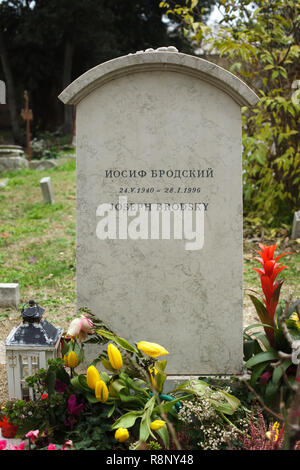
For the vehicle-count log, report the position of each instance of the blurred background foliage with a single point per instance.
(45, 45)
(260, 42)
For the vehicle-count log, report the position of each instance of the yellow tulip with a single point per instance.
(101, 391)
(157, 424)
(92, 376)
(114, 356)
(72, 359)
(152, 349)
(121, 434)
(295, 318)
(66, 360)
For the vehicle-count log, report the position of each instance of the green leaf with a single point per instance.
(112, 410)
(166, 407)
(79, 382)
(255, 325)
(261, 311)
(128, 419)
(279, 371)
(250, 348)
(269, 355)
(164, 435)
(233, 401)
(271, 390)
(106, 364)
(257, 371)
(120, 341)
(198, 387)
(221, 407)
(145, 429)
(91, 398)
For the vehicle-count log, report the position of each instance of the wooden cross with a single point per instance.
(27, 116)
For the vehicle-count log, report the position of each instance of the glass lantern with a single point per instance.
(28, 349)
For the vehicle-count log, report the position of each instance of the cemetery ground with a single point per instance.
(37, 243)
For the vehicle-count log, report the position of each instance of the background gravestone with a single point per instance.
(2, 92)
(169, 122)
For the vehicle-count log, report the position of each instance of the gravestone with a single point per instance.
(159, 204)
(12, 158)
(46, 188)
(2, 92)
(296, 226)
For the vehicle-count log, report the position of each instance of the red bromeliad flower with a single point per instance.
(270, 286)
(268, 273)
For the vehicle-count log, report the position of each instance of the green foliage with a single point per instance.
(93, 432)
(261, 43)
(214, 419)
(270, 373)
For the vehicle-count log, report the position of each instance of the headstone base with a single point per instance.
(9, 295)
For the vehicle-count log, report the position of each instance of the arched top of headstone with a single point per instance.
(161, 59)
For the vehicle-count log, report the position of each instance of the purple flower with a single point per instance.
(73, 408)
(60, 386)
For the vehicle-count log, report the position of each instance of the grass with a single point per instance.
(37, 244)
(37, 240)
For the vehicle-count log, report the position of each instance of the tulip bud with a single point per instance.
(80, 327)
(121, 434)
(114, 356)
(152, 349)
(92, 377)
(157, 424)
(101, 391)
(72, 359)
(153, 371)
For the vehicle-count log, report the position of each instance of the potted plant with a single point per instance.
(8, 429)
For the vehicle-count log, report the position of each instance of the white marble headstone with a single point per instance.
(161, 127)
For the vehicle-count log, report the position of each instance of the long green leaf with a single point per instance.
(120, 341)
(261, 311)
(269, 355)
(255, 325)
(128, 419)
(257, 371)
(164, 435)
(279, 371)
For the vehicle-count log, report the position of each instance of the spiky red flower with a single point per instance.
(270, 286)
(268, 273)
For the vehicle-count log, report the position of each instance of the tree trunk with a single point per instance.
(67, 74)
(10, 93)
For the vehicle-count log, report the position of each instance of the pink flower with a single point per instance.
(265, 377)
(73, 408)
(3, 444)
(60, 386)
(19, 447)
(32, 435)
(44, 396)
(51, 447)
(67, 445)
(80, 327)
